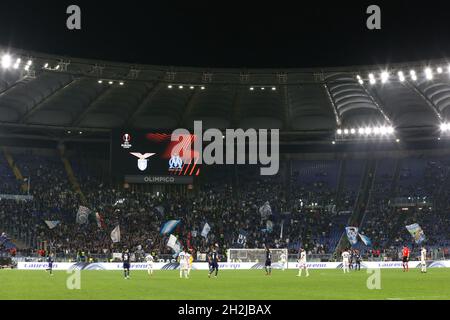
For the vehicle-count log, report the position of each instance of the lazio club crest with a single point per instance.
(142, 159)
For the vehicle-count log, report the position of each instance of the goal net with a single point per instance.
(256, 255)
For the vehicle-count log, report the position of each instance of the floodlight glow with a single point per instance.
(413, 75)
(372, 78)
(169, 86)
(333, 142)
(6, 61)
(383, 130)
(180, 87)
(376, 130)
(46, 65)
(445, 127)
(345, 131)
(202, 88)
(361, 130)
(251, 88)
(390, 130)
(110, 82)
(339, 131)
(384, 76)
(439, 70)
(27, 67)
(428, 73)
(57, 67)
(361, 81)
(121, 83)
(274, 89)
(191, 87)
(100, 81)
(29, 63)
(352, 131)
(368, 130)
(262, 88)
(401, 76)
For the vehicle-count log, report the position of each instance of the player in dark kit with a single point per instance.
(268, 264)
(357, 260)
(126, 264)
(213, 260)
(50, 263)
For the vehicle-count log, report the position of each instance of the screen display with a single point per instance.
(152, 153)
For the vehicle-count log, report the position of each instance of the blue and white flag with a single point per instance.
(352, 234)
(242, 238)
(169, 226)
(206, 229)
(416, 231)
(52, 224)
(366, 240)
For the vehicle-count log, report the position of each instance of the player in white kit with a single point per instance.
(302, 263)
(149, 259)
(183, 259)
(346, 261)
(283, 261)
(423, 260)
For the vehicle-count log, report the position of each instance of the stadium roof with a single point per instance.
(70, 93)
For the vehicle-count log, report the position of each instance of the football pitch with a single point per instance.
(230, 285)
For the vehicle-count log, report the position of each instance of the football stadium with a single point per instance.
(123, 181)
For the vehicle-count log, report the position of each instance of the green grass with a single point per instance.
(234, 285)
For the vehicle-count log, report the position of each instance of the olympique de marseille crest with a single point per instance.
(175, 163)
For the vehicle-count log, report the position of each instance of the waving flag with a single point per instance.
(83, 214)
(366, 240)
(174, 244)
(115, 234)
(265, 210)
(169, 226)
(352, 234)
(242, 238)
(52, 224)
(100, 221)
(206, 229)
(416, 231)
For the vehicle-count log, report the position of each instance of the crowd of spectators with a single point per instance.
(305, 211)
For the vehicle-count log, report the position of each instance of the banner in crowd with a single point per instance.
(265, 210)
(83, 214)
(206, 229)
(169, 226)
(366, 240)
(100, 221)
(52, 224)
(115, 234)
(417, 233)
(174, 244)
(352, 234)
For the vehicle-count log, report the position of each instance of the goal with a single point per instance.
(256, 255)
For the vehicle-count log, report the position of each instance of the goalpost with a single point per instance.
(257, 255)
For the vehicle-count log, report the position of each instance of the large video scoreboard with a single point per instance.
(151, 157)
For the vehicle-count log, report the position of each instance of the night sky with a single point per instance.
(230, 34)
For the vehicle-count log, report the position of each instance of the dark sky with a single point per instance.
(244, 33)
